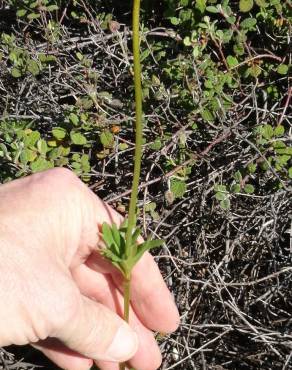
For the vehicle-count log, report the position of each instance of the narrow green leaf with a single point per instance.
(116, 235)
(149, 244)
(135, 235)
(110, 255)
(124, 225)
(107, 234)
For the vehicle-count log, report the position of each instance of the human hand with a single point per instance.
(58, 294)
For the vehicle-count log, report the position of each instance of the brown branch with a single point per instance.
(270, 56)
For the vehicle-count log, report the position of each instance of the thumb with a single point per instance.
(98, 333)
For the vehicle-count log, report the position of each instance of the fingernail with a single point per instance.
(124, 345)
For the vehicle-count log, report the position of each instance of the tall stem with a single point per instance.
(126, 299)
(138, 139)
(127, 290)
(138, 155)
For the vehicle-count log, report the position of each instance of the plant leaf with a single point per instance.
(150, 244)
(116, 235)
(74, 119)
(16, 72)
(110, 255)
(283, 69)
(225, 204)
(33, 67)
(124, 225)
(107, 235)
(142, 248)
(178, 187)
(135, 235)
(107, 139)
(249, 189)
(221, 196)
(77, 138)
(245, 5)
(59, 133)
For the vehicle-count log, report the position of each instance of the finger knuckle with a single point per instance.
(59, 177)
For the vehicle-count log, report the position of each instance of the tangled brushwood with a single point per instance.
(216, 166)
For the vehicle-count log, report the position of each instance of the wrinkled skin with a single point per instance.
(58, 294)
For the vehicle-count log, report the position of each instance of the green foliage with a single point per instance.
(210, 67)
(205, 64)
(151, 209)
(107, 139)
(77, 138)
(270, 141)
(116, 252)
(178, 187)
(19, 60)
(224, 27)
(30, 152)
(222, 195)
(32, 9)
(245, 5)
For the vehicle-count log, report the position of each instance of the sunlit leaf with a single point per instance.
(107, 234)
(245, 5)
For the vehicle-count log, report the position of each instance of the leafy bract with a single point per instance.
(115, 250)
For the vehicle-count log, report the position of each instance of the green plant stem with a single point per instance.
(138, 139)
(127, 290)
(138, 155)
(127, 286)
